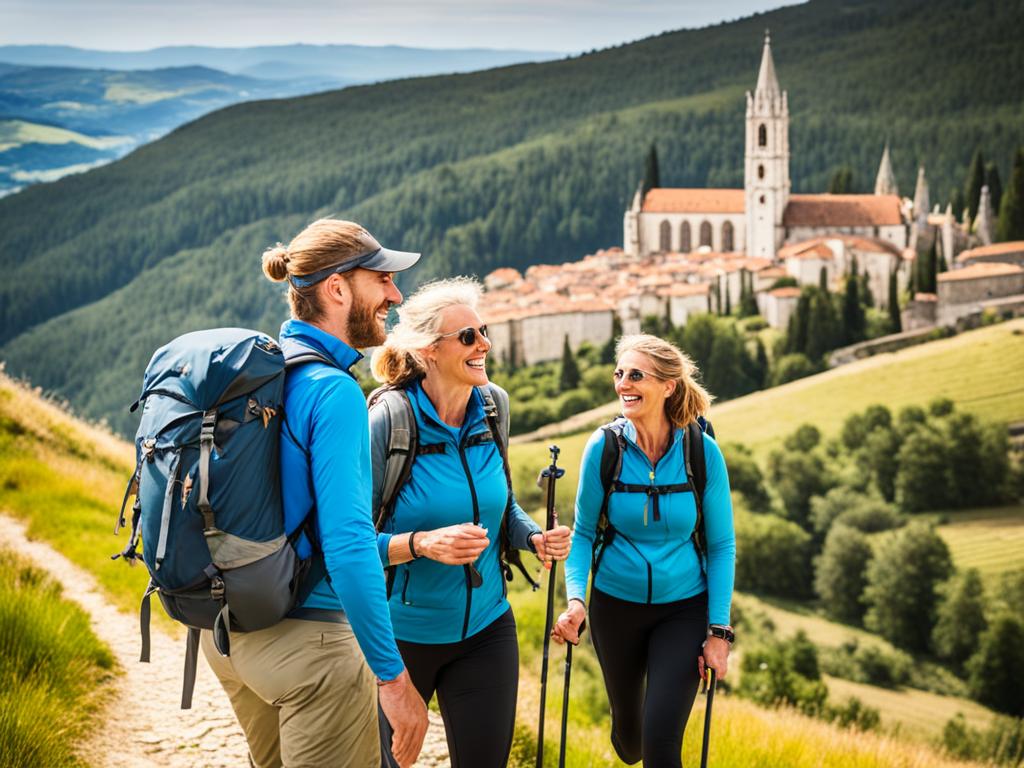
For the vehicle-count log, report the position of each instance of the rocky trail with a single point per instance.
(143, 725)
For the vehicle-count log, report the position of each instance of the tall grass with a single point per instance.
(52, 669)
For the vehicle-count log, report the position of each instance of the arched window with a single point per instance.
(726, 237)
(760, 171)
(684, 238)
(705, 233)
(762, 135)
(666, 236)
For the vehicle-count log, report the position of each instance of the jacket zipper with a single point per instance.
(405, 587)
(476, 521)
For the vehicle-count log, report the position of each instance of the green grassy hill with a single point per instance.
(506, 167)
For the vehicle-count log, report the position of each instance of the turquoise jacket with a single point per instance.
(648, 554)
(432, 602)
(325, 459)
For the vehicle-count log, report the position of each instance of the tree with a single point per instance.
(699, 338)
(922, 481)
(652, 177)
(608, 350)
(894, 304)
(745, 477)
(570, 377)
(994, 184)
(824, 331)
(841, 182)
(973, 184)
(995, 671)
(728, 299)
(925, 269)
(790, 368)
(823, 280)
(961, 618)
(797, 476)
(902, 590)
(773, 556)
(853, 311)
(1011, 210)
(840, 574)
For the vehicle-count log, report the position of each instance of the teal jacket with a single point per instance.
(662, 548)
(432, 602)
(325, 460)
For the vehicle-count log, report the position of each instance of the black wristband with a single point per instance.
(723, 632)
(412, 546)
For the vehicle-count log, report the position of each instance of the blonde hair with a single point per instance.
(400, 358)
(689, 399)
(323, 243)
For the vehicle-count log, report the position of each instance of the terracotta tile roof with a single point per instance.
(818, 251)
(925, 297)
(1013, 247)
(981, 270)
(688, 289)
(789, 292)
(773, 272)
(667, 200)
(504, 275)
(842, 211)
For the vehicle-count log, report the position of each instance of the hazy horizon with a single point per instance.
(565, 26)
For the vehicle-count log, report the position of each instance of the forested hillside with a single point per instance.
(514, 166)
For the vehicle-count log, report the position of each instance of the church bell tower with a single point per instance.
(766, 172)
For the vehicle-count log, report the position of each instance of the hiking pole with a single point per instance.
(709, 686)
(565, 696)
(547, 479)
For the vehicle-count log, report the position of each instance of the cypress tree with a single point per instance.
(823, 279)
(853, 312)
(925, 270)
(608, 350)
(956, 201)
(894, 304)
(823, 328)
(652, 178)
(718, 296)
(728, 299)
(1011, 210)
(570, 378)
(994, 184)
(841, 182)
(973, 184)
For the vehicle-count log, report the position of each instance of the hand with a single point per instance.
(553, 544)
(405, 710)
(568, 625)
(716, 656)
(455, 545)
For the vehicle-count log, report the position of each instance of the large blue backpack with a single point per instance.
(207, 489)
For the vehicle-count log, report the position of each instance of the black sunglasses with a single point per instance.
(633, 374)
(467, 335)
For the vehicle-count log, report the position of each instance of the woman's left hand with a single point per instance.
(553, 544)
(716, 656)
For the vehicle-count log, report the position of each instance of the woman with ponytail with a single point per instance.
(439, 533)
(661, 580)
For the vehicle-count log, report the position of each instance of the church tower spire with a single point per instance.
(885, 181)
(766, 170)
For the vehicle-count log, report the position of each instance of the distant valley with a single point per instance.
(65, 110)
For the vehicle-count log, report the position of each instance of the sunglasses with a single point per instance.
(467, 335)
(633, 374)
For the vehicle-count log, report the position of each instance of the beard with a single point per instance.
(364, 329)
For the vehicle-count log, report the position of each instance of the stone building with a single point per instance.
(764, 215)
(965, 291)
(1011, 252)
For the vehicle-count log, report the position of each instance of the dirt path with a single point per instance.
(144, 726)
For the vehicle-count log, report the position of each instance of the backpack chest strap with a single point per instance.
(653, 492)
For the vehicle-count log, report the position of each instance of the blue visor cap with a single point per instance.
(375, 257)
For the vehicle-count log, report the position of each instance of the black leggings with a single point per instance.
(477, 681)
(657, 644)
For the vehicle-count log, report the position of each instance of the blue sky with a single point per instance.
(558, 25)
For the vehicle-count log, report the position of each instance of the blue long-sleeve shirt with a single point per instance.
(430, 601)
(328, 463)
(641, 542)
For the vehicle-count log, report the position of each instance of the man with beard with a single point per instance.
(302, 691)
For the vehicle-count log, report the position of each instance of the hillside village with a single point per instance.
(687, 251)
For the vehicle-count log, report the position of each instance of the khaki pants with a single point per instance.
(303, 694)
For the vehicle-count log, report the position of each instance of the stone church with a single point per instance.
(758, 219)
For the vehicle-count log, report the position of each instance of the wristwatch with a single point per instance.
(722, 631)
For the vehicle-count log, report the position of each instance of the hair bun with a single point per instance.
(275, 263)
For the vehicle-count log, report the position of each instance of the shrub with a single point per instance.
(961, 618)
(841, 574)
(745, 477)
(995, 671)
(1001, 744)
(772, 556)
(790, 368)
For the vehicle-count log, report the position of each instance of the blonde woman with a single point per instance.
(440, 532)
(662, 580)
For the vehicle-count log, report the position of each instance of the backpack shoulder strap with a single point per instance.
(611, 464)
(496, 405)
(403, 440)
(697, 475)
